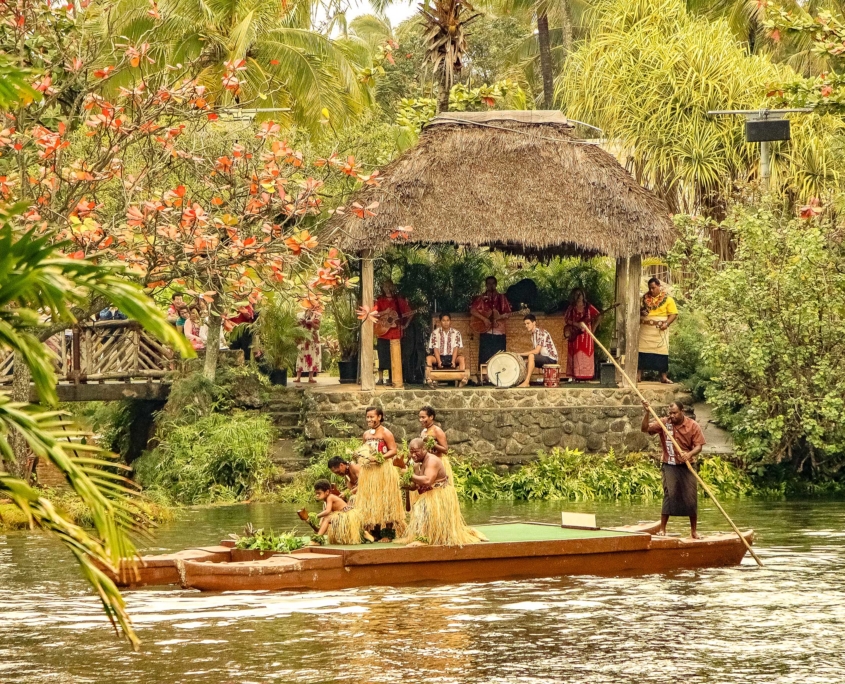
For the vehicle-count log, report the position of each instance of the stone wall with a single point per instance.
(505, 426)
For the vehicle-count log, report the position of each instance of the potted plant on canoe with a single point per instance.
(348, 330)
(279, 334)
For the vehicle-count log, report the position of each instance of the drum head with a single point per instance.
(504, 370)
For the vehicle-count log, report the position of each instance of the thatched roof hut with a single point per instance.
(519, 181)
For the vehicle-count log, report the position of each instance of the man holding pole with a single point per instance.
(680, 489)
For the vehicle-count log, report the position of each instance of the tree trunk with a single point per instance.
(443, 93)
(546, 60)
(566, 26)
(20, 392)
(212, 344)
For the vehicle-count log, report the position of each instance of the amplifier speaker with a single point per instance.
(766, 130)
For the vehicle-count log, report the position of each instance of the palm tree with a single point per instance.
(551, 43)
(445, 41)
(648, 75)
(37, 283)
(263, 52)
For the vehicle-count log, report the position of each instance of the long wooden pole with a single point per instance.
(676, 445)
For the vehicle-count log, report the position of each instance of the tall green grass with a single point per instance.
(216, 459)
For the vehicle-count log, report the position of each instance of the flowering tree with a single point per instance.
(826, 36)
(129, 161)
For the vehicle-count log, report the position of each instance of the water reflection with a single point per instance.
(779, 624)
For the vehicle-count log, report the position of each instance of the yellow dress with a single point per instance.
(652, 339)
(436, 518)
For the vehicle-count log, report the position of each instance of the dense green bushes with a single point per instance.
(775, 324)
(208, 449)
(687, 364)
(558, 475)
(218, 458)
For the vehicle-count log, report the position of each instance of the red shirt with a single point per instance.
(688, 435)
(487, 303)
(245, 314)
(400, 306)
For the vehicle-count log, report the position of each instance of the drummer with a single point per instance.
(544, 351)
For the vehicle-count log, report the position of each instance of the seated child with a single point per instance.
(340, 521)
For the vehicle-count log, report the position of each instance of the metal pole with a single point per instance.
(765, 164)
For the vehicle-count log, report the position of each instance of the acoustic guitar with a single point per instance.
(570, 331)
(387, 320)
(484, 326)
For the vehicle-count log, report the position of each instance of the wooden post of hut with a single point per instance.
(632, 317)
(621, 312)
(366, 355)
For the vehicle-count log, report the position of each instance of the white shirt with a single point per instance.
(446, 341)
(541, 338)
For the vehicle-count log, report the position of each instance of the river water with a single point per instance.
(782, 623)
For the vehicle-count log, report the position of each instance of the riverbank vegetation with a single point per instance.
(556, 475)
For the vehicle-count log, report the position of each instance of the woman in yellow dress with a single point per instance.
(657, 312)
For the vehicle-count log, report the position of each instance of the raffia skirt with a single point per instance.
(447, 466)
(379, 497)
(437, 519)
(346, 527)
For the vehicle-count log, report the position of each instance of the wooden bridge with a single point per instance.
(105, 361)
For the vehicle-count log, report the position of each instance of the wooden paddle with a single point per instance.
(676, 445)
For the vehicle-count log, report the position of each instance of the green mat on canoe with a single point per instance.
(516, 532)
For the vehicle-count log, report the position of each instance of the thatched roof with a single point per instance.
(514, 180)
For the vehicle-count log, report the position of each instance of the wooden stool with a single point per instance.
(436, 374)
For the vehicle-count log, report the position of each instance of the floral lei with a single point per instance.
(651, 303)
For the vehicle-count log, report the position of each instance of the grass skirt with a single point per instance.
(346, 528)
(379, 498)
(436, 518)
(447, 466)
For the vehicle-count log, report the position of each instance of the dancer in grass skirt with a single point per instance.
(379, 496)
(436, 517)
(340, 522)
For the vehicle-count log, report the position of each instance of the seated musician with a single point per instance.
(490, 312)
(446, 346)
(544, 351)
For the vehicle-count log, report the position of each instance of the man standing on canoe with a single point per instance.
(379, 496)
(680, 490)
(436, 517)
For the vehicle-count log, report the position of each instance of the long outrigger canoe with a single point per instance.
(514, 550)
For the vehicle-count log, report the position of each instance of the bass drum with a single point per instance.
(506, 369)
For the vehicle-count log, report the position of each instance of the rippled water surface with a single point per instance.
(782, 623)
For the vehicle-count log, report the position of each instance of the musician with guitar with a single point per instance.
(394, 315)
(490, 312)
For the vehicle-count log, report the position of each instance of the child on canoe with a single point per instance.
(339, 521)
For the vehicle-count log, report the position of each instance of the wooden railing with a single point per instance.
(106, 350)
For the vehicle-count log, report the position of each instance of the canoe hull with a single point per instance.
(632, 552)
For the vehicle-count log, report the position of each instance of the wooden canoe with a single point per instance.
(515, 550)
